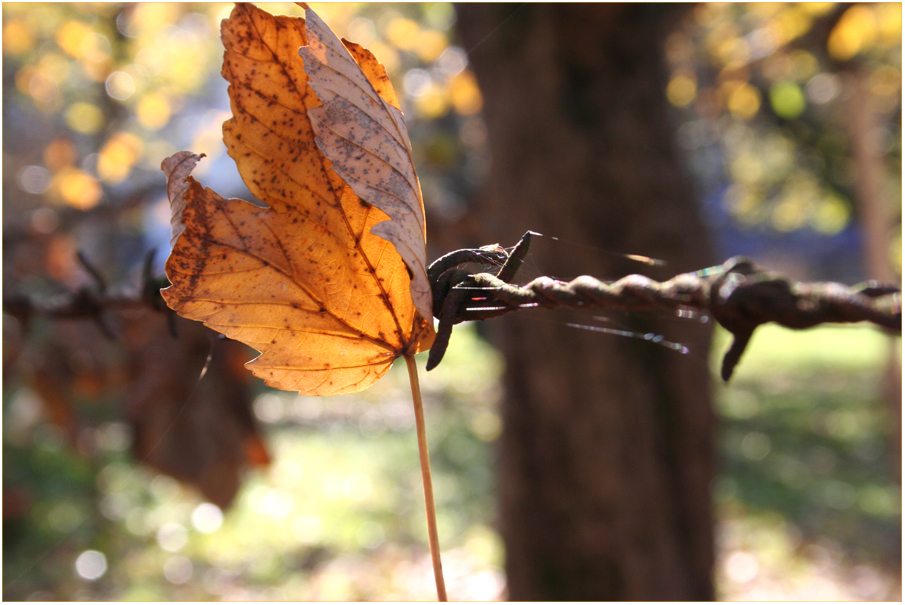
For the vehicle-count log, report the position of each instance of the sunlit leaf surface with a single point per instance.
(305, 281)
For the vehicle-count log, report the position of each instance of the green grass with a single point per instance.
(338, 516)
(805, 465)
(806, 505)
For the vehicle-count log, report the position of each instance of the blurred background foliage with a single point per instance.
(792, 122)
(790, 118)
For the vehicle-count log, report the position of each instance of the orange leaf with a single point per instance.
(306, 280)
(360, 129)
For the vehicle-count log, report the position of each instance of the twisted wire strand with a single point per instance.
(737, 294)
(751, 299)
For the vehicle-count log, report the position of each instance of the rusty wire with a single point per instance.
(91, 302)
(737, 294)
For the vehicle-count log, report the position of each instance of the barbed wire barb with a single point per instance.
(738, 294)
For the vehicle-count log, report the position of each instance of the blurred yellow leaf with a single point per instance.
(681, 90)
(153, 111)
(117, 157)
(791, 22)
(55, 66)
(70, 37)
(77, 188)
(151, 16)
(433, 103)
(889, 17)
(855, 32)
(84, 118)
(465, 94)
(816, 9)
(430, 44)
(96, 47)
(403, 33)
(742, 99)
(17, 39)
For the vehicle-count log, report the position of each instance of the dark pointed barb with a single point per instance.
(451, 296)
(740, 342)
(92, 270)
(737, 294)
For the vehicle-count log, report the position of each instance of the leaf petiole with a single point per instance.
(433, 538)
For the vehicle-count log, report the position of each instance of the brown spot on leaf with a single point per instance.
(273, 271)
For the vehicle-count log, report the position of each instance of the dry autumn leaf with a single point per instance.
(331, 287)
(360, 129)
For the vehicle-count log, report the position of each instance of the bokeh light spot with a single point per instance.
(486, 425)
(33, 179)
(177, 570)
(207, 518)
(755, 446)
(70, 36)
(17, 38)
(117, 156)
(452, 61)
(743, 101)
(465, 94)
(831, 215)
(91, 565)
(742, 567)
(416, 82)
(787, 100)
(96, 47)
(153, 111)
(120, 85)
(681, 90)
(172, 537)
(269, 408)
(84, 118)
(856, 31)
(823, 88)
(78, 188)
(45, 220)
(308, 529)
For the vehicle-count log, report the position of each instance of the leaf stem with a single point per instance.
(426, 478)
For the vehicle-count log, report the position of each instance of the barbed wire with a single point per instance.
(91, 302)
(738, 294)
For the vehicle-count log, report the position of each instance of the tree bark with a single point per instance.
(607, 453)
(877, 221)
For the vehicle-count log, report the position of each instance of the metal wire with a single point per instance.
(738, 294)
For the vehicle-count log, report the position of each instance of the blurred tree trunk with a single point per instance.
(878, 222)
(607, 454)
